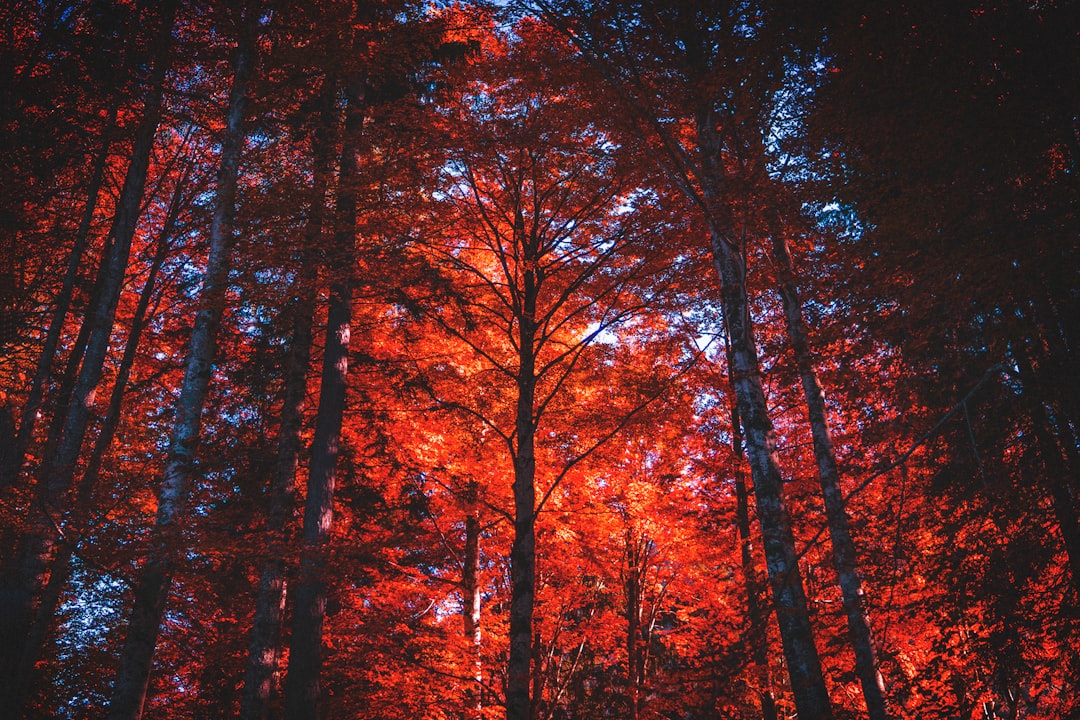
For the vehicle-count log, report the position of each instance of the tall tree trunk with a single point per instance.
(101, 315)
(757, 614)
(10, 459)
(636, 558)
(523, 550)
(302, 694)
(9, 471)
(470, 611)
(845, 559)
(263, 650)
(133, 674)
(785, 579)
(60, 568)
(55, 476)
(24, 574)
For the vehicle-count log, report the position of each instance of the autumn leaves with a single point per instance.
(445, 364)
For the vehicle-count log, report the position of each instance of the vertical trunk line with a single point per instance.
(633, 623)
(470, 591)
(76, 530)
(845, 558)
(136, 659)
(523, 550)
(56, 473)
(785, 580)
(302, 694)
(263, 650)
(755, 609)
(10, 471)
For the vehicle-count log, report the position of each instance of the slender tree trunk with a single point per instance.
(32, 554)
(845, 559)
(785, 580)
(56, 473)
(103, 312)
(139, 321)
(523, 550)
(263, 649)
(10, 459)
(265, 644)
(470, 611)
(757, 614)
(635, 557)
(789, 598)
(755, 609)
(302, 695)
(129, 688)
(60, 568)
(9, 471)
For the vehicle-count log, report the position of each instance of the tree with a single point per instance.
(534, 258)
(542, 464)
(77, 527)
(151, 595)
(55, 476)
(302, 689)
(679, 57)
(270, 603)
(979, 92)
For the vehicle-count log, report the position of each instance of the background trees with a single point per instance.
(574, 264)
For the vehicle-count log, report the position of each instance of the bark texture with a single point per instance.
(302, 694)
(523, 550)
(845, 559)
(77, 527)
(136, 659)
(785, 579)
(470, 611)
(22, 582)
(638, 627)
(756, 612)
(263, 650)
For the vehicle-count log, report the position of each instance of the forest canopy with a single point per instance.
(539, 360)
